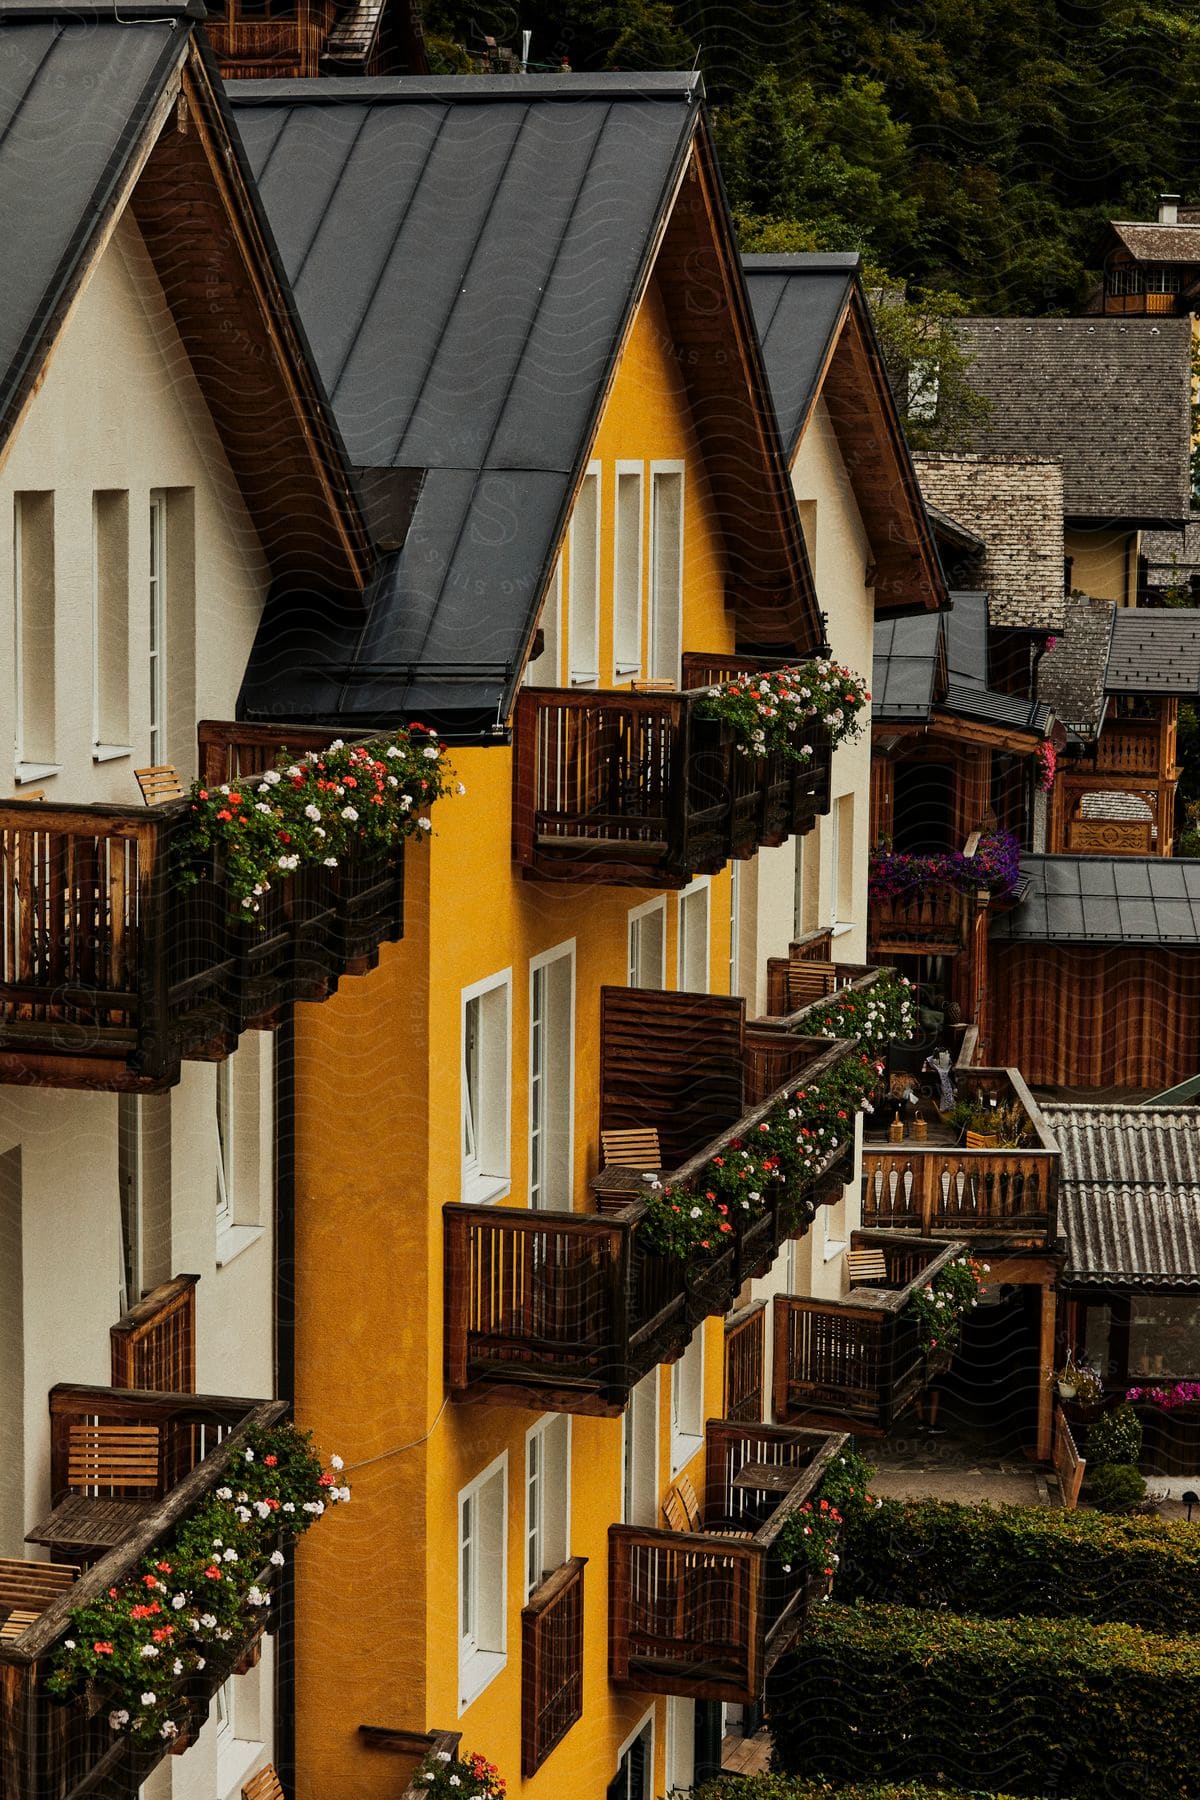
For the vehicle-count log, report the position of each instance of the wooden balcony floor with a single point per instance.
(746, 1755)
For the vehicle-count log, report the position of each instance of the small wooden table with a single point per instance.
(766, 1478)
(86, 1526)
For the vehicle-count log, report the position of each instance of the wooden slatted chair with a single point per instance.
(866, 1266)
(634, 1149)
(653, 685)
(808, 980)
(159, 782)
(674, 1513)
(119, 1458)
(694, 1516)
(266, 1785)
(27, 1589)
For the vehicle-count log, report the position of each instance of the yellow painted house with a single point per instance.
(526, 305)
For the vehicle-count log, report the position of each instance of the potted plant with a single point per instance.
(1078, 1382)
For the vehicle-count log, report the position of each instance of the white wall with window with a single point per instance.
(545, 670)
(583, 583)
(634, 1779)
(627, 572)
(547, 1498)
(687, 1404)
(34, 601)
(681, 1744)
(639, 1454)
(648, 945)
(552, 1078)
(695, 923)
(482, 1580)
(241, 1723)
(486, 1088)
(665, 613)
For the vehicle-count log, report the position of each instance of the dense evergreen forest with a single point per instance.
(971, 148)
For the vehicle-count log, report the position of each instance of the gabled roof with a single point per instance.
(1151, 242)
(1129, 1194)
(468, 255)
(1172, 557)
(1014, 506)
(1071, 675)
(1110, 396)
(1154, 651)
(819, 342)
(929, 669)
(104, 107)
(1147, 900)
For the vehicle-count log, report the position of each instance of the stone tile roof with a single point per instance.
(1172, 557)
(1110, 396)
(1014, 504)
(1071, 675)
(1129, 1194)
(1154, 651)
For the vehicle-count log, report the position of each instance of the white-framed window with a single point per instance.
(687, 1404)
(627, 572)
(157, 640)
(635, 1765)
(224, 1705)
(841, 862)
(225, 1123)
(547, 1498)
(639, 1454)
(694, 921)
(34, 599)
(583, 583)
(681, 1744)
(546, 670)
(735, 927)
(648, 945)
(244, 1144)
(486, 1087)
(666, 571)
(110, 624)
(552, 1077)
(482, 1598)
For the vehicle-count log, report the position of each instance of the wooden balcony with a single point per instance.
(56, 1750)
(551, 1663)
(745, 1364)
(933, 920)
(983, 1194)
(112, 972)
(638, 789)
(703, 1615)
(570, 1309)
(412, 1750)
(1134, 747)
(857, 1362)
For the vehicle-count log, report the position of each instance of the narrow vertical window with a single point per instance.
(666, 573)
(486, 1088)
(735, 926)
(551, 1077)
(110, 623)
(158, 628)
(648, 945)
(627, 575)
(224, 1121)
(34, 604)
(482, 1545)
(693, 937)
(583, 584)
(547, 1498)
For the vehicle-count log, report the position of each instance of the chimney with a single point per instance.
(1168, 209)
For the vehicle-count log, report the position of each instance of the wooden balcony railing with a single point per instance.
(1069, 1466)
(798, 981)
(857, 1361)
(551, 1664)
(973, 1194)
(154, 1344)
(706, 1616)
(412, 1749)
(569, 1310)
(111, 971)
(745, 1363)
(1131, 749)
(57, 1750)
(639, 789)
(931, 920)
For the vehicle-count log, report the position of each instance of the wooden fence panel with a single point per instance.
(154, 1344)
(551, 1664)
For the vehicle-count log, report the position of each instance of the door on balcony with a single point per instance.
(923, 808)
(551, 1077)
(640, 1454)
(648, 945)
(666, 572)
(693, 937)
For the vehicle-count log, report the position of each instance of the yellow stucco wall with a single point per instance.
(1104, 562)
(378, 1155)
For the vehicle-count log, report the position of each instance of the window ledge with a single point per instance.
(478, 1672)
(840, 930)
(683, 1448)
(233, 1239)
(484, 1190)
(29, 771)
(102, 753)
(236, 1762)
(834, 1248)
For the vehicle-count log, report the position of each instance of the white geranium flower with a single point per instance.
(117, 1719)
(335, 1462)
(177, 1602)
(424, 825)
(277, 1558)
(272, 777)
(150, 1651)
(208, 1620)
(312, 812)
(149, 1699)
(68, 1643)
(430, 752)
(348, 812)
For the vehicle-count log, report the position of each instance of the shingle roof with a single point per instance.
(1154, 651)
(798, 302)
(1158, 243)
(1106, 900)
(466, 255)
(942, 661)
(1129, 1195)
(76, 93)
(1172, 557)
(1014, 505)
(1071, 675)
(1110, 396)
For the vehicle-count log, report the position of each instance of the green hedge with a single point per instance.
(789, 1787)
(1001, 1561)
(1027, 1706)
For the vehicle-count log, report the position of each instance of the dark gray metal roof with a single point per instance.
(77, 88)
(1110, 396)
(905, 667)
(1071, 675)
(797, 303)
(1154, 651)
(465, 256)
(1106, 900)
(1129, 1197)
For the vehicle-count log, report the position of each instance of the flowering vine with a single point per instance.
(808, 1537)
(1047, 764)
(349, 800)
(200, 1595)
(877, 1016)
(941, 1305)
(996, 865)
(774, 710)
(469, 1777)
(1183, 1393)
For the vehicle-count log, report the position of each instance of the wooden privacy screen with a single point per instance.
(154, 1344)
(745, 1356)
(673, 1062)
(551, 1663)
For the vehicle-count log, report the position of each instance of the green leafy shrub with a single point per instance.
(998, 1561)
(1116, 1436)
(1098, 1712)
(1116, 1487)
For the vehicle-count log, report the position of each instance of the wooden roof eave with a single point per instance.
(216, 262)
(1017, 740)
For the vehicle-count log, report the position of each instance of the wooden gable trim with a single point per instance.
(991, 737)
(215, 264)
(866, 423)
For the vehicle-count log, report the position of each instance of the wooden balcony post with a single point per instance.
(457, 1279)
